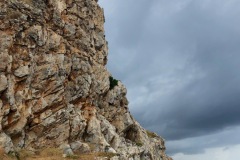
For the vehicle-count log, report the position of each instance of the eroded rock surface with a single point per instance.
(54, 86)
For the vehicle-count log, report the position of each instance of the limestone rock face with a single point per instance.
(54, 86)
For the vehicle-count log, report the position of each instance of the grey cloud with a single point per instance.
(180, 61)
(202, 106)
(225, 138)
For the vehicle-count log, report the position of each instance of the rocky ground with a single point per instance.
(55, 90)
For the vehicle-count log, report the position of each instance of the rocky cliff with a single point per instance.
(55, 90)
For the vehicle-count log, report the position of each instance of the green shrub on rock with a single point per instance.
(113, 82)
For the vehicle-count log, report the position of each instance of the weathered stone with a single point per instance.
(1, 114)
(55, 88)
(110, 149)
(6, 142)
(60, 5)
(69, 30)
(22, 71)
(4, 60)
(67, 151)
(5, 41)
(99, 40)
(79, 147)
(3, 83)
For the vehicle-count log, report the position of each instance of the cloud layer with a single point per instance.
(180, 61)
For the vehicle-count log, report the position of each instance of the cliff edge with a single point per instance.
(55, 90)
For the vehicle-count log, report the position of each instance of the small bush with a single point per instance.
(113, 82)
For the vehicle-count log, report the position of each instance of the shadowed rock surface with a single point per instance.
(54, 86)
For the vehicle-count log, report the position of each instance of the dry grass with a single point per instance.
(1, 151)
(52, 154)
(92, 156)
(45, 154)
(6, 157)
(49, 152)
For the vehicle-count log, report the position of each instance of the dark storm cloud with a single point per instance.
(180, 61)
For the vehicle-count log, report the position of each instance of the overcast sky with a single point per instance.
(180, 61)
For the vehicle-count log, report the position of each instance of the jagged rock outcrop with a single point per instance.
(54, 86)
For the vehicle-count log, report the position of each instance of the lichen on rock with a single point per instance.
(55, 89)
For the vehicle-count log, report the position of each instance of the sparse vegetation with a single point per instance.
(7, 156)
(151, 134)
(113, 82)
(73, 156)
(50, 152)
(24, 154)
(92, 146)
(139, 143)
(53, 154)
(105, 154)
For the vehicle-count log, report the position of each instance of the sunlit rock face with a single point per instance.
(54, 86)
